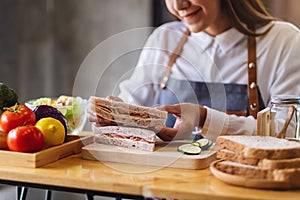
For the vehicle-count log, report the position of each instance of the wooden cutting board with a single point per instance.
(165, 155)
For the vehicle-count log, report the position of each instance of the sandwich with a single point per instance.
(124, 114)
(128, 137)
(133, 124)
(260, 157)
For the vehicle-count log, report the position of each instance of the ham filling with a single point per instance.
(130, 137)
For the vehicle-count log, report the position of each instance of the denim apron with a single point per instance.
(230, 98)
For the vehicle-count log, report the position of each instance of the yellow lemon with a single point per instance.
(53, 131)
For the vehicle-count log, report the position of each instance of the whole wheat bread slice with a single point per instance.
(230, 155)
(279, 164)
(248, 171)
(292, 175)
(256, 172)
(260, 147)
(260, 157)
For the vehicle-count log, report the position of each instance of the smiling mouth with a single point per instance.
(190, 15)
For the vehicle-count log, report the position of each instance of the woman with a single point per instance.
(204, 67)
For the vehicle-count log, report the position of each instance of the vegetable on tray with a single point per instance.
(8, 97)
(195, 147)
(44, 111)
(72, 108)
(17, 115)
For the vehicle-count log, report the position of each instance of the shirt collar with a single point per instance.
(225, 40)
(203, 39)
(228, 39)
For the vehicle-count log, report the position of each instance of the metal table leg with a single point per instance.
(22, 192)
(89, 196)
(48, 194)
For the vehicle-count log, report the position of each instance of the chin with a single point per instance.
(194, 28)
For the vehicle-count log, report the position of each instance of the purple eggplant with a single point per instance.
(44, 111)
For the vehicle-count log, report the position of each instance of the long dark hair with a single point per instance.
(247, 15)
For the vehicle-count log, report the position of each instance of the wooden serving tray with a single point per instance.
(165, 155)
(251, 183)
(33, 160)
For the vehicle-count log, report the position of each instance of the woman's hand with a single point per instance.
(188, 116)
(99, 120)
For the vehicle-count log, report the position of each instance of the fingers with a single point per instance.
(173, 109)
(180, 108)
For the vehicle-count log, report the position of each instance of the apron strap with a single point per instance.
(252, 73)
(252, 78)
(173, 57)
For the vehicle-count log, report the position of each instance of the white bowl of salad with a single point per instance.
(73, 108)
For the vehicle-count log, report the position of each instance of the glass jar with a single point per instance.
(285, 115)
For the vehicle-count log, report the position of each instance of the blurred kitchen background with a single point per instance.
(43, 43)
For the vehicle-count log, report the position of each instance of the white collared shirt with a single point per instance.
(222, 58)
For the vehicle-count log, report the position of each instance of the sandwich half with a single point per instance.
(129, 137)
(124, 114)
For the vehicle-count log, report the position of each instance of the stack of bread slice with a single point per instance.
(260, 157)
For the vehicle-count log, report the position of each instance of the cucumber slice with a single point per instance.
(209, 145)
(196, 144)
(205, 143)
(189, 149)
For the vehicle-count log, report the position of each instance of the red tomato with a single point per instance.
(25, 139)
(17, 115)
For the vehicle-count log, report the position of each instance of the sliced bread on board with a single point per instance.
(259, 157)
(226, 154)
(256, 172)
(265, 163)
(260, 147)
